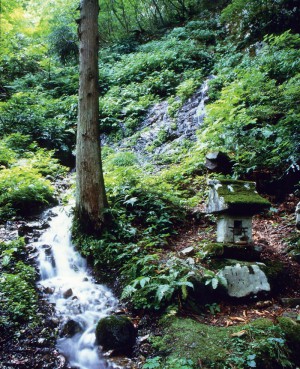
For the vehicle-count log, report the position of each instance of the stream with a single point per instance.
(79, 301)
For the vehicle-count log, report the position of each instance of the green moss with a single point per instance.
(192, 340)
(213, 249)
(262, 323)
(258, 344)
(291, 330)
(115, 332)
(241, 196)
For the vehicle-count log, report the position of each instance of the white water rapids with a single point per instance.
(77, 298)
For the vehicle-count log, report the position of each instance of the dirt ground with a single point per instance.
(274, 231)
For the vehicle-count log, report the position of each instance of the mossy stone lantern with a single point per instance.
(234, 203)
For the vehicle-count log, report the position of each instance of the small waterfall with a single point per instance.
(200, 112)
(176, 132)
(79, 301)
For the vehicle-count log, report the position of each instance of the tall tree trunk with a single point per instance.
(90, 191)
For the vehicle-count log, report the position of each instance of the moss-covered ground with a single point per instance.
(261, 343)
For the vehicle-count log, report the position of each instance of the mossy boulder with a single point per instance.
(116, 333)
(291, 330)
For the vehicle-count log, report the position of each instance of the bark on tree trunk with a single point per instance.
(90, 190)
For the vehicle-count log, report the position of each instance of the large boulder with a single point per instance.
(116, 333)
(245, 280)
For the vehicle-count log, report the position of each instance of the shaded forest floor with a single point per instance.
(275, 232)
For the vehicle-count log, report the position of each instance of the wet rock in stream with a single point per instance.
(70, 328)
(116, 333)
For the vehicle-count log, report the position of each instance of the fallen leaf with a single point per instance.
(237, 318)
(228, 323)
(239, 334)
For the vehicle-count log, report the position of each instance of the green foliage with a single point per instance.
(135, 21)
(19, 150)
(145, 210)
(19, 143)
(249, 21)
(7, 156)
(257, 109)
(10, 253)
(47, 121)
(44, 162)
(63, 42)
(18, 299)
(157, 282)
(22, 189)
(258, 347)
(178, 363)
(130, 83)
(183, 91)
(18, 295)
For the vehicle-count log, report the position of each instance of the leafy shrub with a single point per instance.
(10, 253)
(22, 190)
(258, 347)
(63, 41)
(183, 91)
(250, 20)
(121, 159)
(19, 143)
(256, 116)
(132, 82)
(7, 156)
(45, 120)
(44, 162)
(18, 298)
(157, 283)
(17, 281)
(186, 89)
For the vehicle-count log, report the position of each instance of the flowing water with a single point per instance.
(200, 112)
(79, 301)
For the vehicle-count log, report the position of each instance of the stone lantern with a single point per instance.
(234, 202)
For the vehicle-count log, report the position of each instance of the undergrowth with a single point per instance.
(24, 167)
(17, 287)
